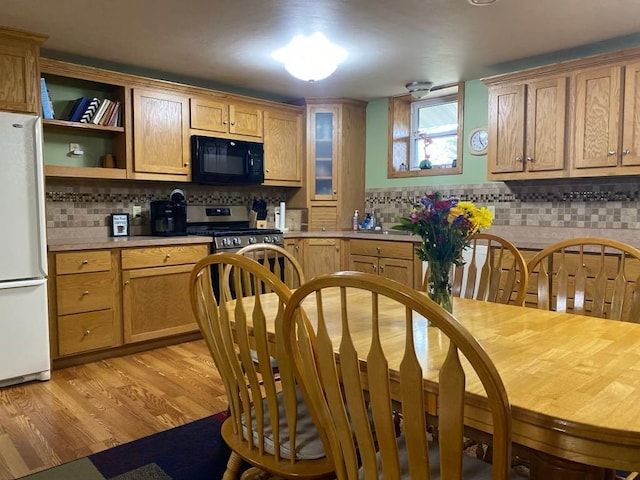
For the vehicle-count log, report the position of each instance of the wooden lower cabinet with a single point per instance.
(105, 302)
(389, 259)
(321, 255)
(155, 291)
(85, 302)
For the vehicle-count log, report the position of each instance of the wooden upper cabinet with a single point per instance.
(527, 123)
(597, 106)
(222, 116)
(506, 129)
(607, 134)
(19, 71)
(160, 132)
(283, 149)
(631, 119)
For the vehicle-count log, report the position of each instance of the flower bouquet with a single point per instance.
(446, 226)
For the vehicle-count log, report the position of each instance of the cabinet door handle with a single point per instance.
(373, 267)
(168, 255)
(84, 262)
(626, 151)
(126, 282)
(518, 158)
(382, 268)
(85, 293)
(224, 122)
(530, 159)
(233, 124)
(611, 153)
(186, 164)
(87, 333)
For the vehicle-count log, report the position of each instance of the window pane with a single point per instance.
(435, 134)
(439, 152)
(438, 119)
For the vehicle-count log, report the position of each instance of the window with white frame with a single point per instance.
(434, 133)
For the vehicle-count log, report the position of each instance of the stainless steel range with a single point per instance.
(229, 226)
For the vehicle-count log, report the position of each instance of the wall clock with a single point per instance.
(478, 141)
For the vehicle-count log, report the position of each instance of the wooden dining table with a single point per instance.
(573, 381)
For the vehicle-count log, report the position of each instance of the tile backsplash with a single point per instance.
(85, 206)
(603, 203)
(607, 203)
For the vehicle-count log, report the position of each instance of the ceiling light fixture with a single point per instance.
(310, 58)
(419, 89)
(481, 3)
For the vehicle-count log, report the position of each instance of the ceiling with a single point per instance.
(390, 42)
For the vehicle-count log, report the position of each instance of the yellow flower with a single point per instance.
(483, 218)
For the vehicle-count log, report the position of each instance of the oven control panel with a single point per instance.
(236, 242)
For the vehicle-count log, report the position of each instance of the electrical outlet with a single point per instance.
(74, 146)
(492, 209)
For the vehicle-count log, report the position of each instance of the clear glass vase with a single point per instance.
(439, 289)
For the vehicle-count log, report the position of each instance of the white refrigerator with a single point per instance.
(24, 328)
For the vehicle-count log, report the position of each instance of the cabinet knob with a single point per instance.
(373, 267)
(266, 170)
(382, 268)
(87, 333)
(233, 123)
(335, 192)
(85, 293)
(518, 158)
(297, 247)
(626, 151)
(126, 282)
(186, 164)
(530, 159)
(611, 153)
(224, 122)
(168, 255)
(84, 262)
(378, 249)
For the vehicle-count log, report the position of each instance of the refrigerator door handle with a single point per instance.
(32, 282)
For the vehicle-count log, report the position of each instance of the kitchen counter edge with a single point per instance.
(66, 244)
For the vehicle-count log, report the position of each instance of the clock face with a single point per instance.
(478, 141)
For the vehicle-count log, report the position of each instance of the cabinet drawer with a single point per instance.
(84, 292)
(162, 256)
(382, 248)
(85, 331)
(82, 262)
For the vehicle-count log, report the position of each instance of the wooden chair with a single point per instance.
(495, 272)
(590, 276)
(353, 401)
(282, 263)
(264, 411)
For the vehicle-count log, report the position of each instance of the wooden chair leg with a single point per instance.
(233, 467)
(255, 473)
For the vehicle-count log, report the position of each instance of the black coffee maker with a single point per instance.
(169, 217)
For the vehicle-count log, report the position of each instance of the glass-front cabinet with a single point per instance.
(323, 155)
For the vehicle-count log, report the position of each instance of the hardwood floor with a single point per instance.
(92, 407)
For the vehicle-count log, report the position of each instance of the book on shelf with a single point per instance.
(114, 120)
(78, 109)
(107, 113)
(45, 98)
(90, 110)
(104, 104)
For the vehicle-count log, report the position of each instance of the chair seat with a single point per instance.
(308, 443)
(472, 468)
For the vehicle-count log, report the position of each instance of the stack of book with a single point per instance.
(96, 111)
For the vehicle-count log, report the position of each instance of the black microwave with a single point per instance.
(220, 161)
